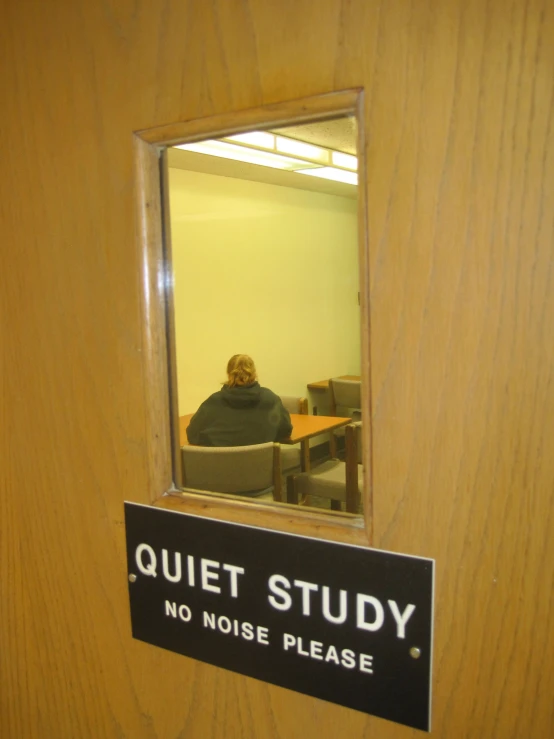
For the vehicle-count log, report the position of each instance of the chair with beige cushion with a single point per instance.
(345, 398)
(341, 482)
(252, 471)
(295, 458)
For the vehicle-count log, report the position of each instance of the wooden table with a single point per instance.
(304, 427)
(323, 385)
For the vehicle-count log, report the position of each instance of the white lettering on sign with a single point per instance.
(307, 588)
(361, 602)
(170, 609)
(326, 608)
(401, 618)
(311, 598)
(285, 601)
(346, 658)
(233, 571)
(370, 612)
(206, 574)
(243, 629)
(177, 566)
(148, 569)
(315, 649)
(190, 569)
(172, 569)
(184, 612)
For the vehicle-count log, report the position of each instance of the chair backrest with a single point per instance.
(295, 405)
(236, 469)
(345, 393)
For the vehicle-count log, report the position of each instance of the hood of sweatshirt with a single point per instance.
(246, 396)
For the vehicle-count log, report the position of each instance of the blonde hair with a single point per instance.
(241, 370)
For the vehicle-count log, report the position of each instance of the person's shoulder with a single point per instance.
(269, 395)
(213, 398)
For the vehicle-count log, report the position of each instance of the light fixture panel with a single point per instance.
(347, 161)
(331, 173)
(226, 150)
(261, 139)
(301, 149)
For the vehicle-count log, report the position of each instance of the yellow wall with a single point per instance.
(264, 270)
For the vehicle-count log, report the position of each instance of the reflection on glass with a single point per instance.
(265, 264)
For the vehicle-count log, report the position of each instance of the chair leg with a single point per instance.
(305, 455)
(351, 470)
(292, 494)
(333, 445)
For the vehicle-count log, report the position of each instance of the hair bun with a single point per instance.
(241, 370)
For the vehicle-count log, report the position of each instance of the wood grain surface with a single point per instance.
(459, 176)
(303, 427)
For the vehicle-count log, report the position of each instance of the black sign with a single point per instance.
(338, 622)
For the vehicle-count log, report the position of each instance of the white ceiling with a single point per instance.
(339, 134)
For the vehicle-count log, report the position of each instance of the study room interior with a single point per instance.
(264, 254)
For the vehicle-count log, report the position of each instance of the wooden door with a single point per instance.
(458, 117)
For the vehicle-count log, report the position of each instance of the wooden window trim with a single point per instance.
(158, 334)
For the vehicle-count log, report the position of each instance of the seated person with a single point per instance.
(241, 413)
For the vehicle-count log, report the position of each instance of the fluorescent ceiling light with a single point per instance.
(242, 154)
(330, 173)
(348, 161)
(256, 138)
(301, 149)
(248, 149)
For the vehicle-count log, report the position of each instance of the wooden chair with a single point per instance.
(297, 457)
(241, 470)
(341, 482)
(346, 395)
